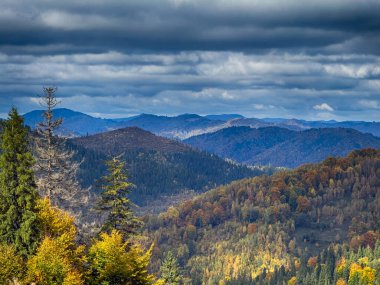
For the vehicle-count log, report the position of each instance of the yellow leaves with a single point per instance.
(363, 261)
(111, 258)
(366, 275)
(292, 281)
(58, 259)
(341, 265)
(54, 221)
(53, 264)
(11, 264)
(341, 282)
(159, 282)
(236, 267)
(73, 278)
(297, 264)
(312, 192)
(354, 269)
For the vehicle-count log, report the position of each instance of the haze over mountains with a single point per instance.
(186, 125)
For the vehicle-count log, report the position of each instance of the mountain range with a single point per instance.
(186, 125)
(282, 147)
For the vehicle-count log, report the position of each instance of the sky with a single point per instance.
(315, 59)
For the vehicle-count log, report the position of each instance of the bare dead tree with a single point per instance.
(56, 169)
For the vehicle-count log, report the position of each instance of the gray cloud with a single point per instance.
(259, 58)
(188, 25)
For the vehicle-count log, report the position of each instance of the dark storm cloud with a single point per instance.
(316, 60)
(188, 25)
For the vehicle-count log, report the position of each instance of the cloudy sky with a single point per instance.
(315, 59)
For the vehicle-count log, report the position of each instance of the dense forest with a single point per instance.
(157, 166)
(317, 224)
(272, 145)
(253, 229)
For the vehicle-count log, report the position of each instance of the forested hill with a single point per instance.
(282, 147)
(157, 166)
(117, 141)
(253, 229)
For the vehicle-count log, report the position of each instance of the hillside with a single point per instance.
(132, 138)
(157, 166)
(263, 227)
(240, 143)
(282, 147)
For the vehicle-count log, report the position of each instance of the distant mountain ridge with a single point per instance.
(74, 123)
(185, 125)
(282, 147)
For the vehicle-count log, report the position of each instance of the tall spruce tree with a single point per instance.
(170, 272)
(18, 191)
(114, 200)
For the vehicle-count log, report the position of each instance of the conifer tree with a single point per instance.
(18, 191)
(170, 272)
(56, 170)
(114, 200)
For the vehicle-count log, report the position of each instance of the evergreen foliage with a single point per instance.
(114, 200)
(170, 272)
(157, 166)
(18, 192)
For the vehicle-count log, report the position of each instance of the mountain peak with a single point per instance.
(130, 138)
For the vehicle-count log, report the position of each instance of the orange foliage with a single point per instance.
(303, 204)
(251, 228)
(312, 262)
(367, 239)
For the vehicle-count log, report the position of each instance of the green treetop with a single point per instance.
(170, 272)
(18, 192)
(114, 200)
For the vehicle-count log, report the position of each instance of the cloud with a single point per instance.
(261, 58)
(270, 84)
(323, 107)
(177, 25)
(370, 104)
